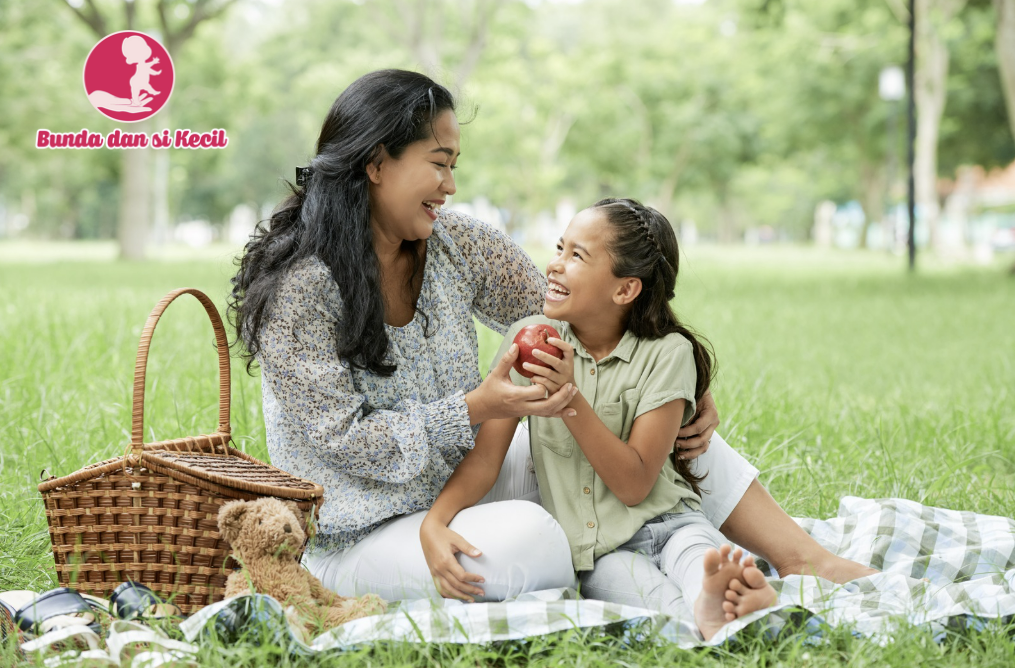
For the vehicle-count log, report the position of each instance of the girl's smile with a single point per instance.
(581, 286)
(556, 292)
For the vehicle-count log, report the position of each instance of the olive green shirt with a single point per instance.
(637, 377)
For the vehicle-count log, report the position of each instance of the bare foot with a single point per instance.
(829, 567)
(722, 567)
(748, 593)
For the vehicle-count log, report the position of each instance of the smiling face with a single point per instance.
(406, 193)
(582, 288)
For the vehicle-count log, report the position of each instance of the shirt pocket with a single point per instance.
(618, 416)
(558, 441)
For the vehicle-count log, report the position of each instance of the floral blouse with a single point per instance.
(383, 447)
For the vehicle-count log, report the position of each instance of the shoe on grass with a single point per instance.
(133, 600)
(37, 614)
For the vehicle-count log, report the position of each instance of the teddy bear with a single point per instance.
(265, 537)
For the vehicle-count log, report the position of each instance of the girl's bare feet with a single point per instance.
(748, 593)
(722, 567)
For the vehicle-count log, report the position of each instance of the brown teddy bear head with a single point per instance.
(266, 527)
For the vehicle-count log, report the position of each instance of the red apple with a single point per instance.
(533, 337)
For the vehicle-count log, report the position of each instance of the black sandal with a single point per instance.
(131, 600)
(54, 603)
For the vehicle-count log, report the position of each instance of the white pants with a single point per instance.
(524, 549)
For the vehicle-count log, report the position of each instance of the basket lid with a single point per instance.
(237, 470)
(233, 471)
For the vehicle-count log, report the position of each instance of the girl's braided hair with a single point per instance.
(644, 246)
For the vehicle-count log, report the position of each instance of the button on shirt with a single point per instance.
(638, 376)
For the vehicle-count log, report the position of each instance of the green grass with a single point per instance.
(838, 374)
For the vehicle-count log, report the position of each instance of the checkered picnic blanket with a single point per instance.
(941, 568)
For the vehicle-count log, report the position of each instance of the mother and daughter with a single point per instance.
(357, 301)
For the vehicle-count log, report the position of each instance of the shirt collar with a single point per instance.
(623, 351)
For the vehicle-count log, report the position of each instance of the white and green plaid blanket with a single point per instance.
(941, 568)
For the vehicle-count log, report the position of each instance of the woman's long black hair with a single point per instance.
(644, 246)
(328, 214)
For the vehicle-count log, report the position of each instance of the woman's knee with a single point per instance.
(523, 548)
(515, 530)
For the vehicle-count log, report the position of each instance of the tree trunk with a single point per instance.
(668, 187)
(727, 223)
(135, 198)
(872, 199)
(160, 184)
(161, 230)
(930, 88)
(1004, 41)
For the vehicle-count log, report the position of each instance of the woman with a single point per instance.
(357, 302)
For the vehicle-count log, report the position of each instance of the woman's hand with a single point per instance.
(498, 397)
(559, 372)
(692, 439)
(440, 545)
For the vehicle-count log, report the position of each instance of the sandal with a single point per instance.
(131, 600)
(38, 614)
(251, 618)
(138, 645)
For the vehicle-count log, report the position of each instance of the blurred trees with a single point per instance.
(975, 128)
(732, 114)
(828, 114)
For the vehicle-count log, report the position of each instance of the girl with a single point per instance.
(632, 516)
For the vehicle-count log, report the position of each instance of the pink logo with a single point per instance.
(128, 76)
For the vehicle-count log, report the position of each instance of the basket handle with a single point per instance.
(141, 365)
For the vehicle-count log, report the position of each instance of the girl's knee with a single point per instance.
(693, 539)
(701, 534)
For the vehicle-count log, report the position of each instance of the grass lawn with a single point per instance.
(838, 374)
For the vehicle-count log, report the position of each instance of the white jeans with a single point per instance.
(524, 549)
(662, 567)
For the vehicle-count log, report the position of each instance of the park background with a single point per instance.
(770, 132)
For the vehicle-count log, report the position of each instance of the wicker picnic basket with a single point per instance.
(151, 516)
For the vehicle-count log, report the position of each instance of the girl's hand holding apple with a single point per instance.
(554, 372)
(497, 397)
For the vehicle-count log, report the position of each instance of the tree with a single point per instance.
(975, 129)
(135, 166)
(1004, 41)
(419, 26)
(820, 103)
(933, 21)
(1005, 44)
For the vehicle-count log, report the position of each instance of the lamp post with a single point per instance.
(911, 135)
